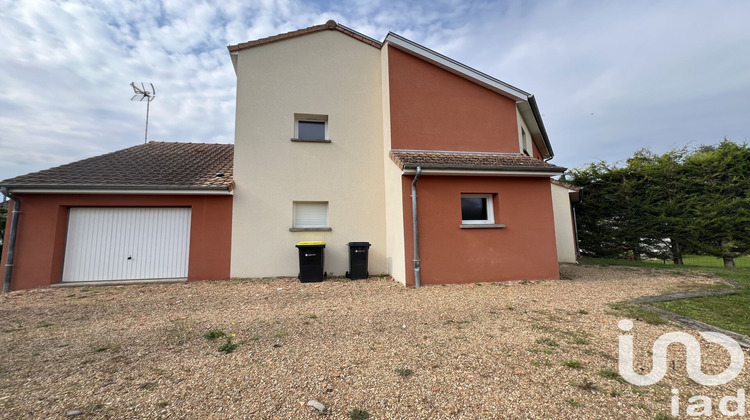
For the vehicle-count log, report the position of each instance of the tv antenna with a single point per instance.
(142, 93)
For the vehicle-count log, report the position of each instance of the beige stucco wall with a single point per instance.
(566, 246)
(522, 125)
(324, 73)
(394, 208)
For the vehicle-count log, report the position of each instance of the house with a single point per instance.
(339, 138)
(332, 128)
(158, 210)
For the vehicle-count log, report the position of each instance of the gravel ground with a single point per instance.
(458, 351)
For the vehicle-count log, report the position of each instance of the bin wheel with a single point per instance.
(346, 275)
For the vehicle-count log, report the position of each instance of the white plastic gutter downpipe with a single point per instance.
(417, 278)
(12, 239)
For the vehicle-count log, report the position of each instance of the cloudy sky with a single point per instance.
(610, 77)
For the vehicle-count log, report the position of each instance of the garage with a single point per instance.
(116, 243)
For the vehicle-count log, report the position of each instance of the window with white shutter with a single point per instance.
(310, 215)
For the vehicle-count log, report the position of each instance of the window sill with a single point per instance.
(319, 229)
(482, 226)
(310, 141)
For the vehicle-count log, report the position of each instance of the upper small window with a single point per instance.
(477, 209)
(525, 142)
(311, 127)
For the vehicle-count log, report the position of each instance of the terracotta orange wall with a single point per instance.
(40, 244)
(433, 109)
(525, 249)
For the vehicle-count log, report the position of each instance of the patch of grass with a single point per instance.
(212, 335)
(357, 414)
(162, 404)
(404, 373)
(639, 391)
(615, 393)
(583, 312)
(573, 364)
(641, 405)
(611, 374)
(101, 349)
(148, 385)
(573, 402)
(255, 337)
(281, 334)
(582, 341)
(44, 325)
(662, 416)
(228, 347)
(547, 342)
(588, 385)
(728, 312)
(637, 312)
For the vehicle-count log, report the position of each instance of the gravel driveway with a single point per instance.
(509, 350)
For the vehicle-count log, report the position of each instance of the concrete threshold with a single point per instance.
(118, 282)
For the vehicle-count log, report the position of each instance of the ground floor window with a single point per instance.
(310, 214)
(477, 209)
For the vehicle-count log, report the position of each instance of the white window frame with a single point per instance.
(490, 210)
(296, 225)
(310, 118)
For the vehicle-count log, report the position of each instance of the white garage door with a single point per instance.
(126, 244)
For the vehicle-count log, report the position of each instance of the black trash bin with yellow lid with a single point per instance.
(311, 261)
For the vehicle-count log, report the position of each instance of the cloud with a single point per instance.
(610, 77)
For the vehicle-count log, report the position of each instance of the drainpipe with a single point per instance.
(417, 278)
(12, 239)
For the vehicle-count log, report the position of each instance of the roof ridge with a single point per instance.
(329, 25)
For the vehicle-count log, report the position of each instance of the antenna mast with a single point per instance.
(142, 93)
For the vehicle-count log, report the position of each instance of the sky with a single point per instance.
(610, 77)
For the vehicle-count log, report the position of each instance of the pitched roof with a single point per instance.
(150, 166)
(566, 185)
(330, 25)
(410, 159)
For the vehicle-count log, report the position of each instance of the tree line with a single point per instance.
(685, 201)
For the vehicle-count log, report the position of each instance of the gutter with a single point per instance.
(120, 189)
(538, 117)
(499, 169)
(417, 262)
(12, 240)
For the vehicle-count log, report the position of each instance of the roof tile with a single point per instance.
(409, 159)
(162, 164)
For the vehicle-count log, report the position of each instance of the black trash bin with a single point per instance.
(311, 261)
(358, 252)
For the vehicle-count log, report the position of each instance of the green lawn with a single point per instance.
(729, 312)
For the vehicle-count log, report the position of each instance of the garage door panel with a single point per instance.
(126, 243)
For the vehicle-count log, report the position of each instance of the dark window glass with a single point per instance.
(311, 130)
(473, 208)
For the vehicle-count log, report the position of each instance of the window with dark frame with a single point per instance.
(311, 130)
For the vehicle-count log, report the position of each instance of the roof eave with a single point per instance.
(96, 189)
(555, 169)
